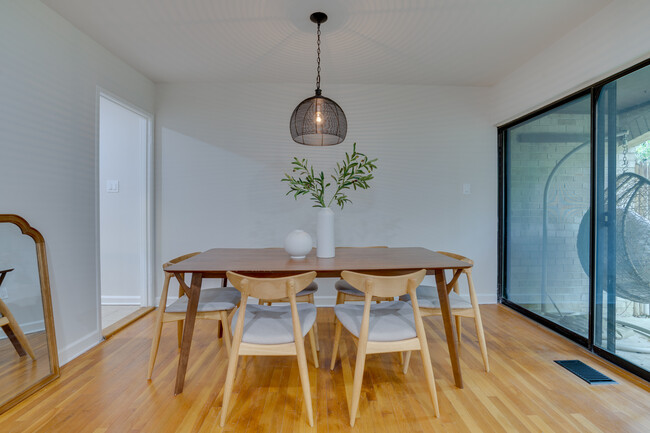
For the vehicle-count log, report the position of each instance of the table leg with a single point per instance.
(450, 332)
(188, 330)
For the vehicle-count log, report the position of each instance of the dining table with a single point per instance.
(275, 262)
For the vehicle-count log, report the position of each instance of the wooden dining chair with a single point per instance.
(305, 295)
(262, 330)
(346, 292)
(394, 326)
(461, 306)
(11, 327)
(214, 304)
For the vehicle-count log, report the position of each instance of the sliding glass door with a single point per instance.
(622, 277)
(575, 217)
(548, 175)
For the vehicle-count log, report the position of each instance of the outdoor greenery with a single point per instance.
(643, 152)
(355, 171)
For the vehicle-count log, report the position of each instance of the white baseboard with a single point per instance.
(487, 298)
(121, 300)
(31, 327)
(82, 345)
(28, 328)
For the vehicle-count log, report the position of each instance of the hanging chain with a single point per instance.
(318, 54)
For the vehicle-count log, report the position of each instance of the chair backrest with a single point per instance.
(458, 257)
(271, 288)
(178, 260)
(3, 309)
(179, 277)
(381, 286)
(466, 271)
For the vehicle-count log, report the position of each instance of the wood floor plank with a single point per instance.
(105, 390)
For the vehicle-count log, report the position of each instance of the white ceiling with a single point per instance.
(450, 42)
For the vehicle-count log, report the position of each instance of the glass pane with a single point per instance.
(547, 225)
(622, 323)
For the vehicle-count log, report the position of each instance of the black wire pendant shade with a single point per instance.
(318, 121)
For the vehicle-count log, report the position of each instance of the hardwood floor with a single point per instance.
(17, 373)
(105, 390)
(124, 321)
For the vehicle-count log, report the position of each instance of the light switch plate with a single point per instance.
(467, 188)
(112, 186)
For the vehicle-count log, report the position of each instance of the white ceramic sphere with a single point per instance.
(298, 244)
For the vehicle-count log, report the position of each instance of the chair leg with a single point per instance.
(340, 298)
(316, 336)
(458, 332)
(481, 342)
(158, 328)
(15, 333)
(155, 342)
(337, 339)
(311, 299)
(230, 380)
(226, 330)
(477, 320)
(260, 302)
(18, 340)
(407, 359)
(428, 372)
(304, 380)
(312, 343)
(424, 353)
(358, 379)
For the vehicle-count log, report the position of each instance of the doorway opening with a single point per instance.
(125, 213)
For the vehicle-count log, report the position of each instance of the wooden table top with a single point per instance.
(276, 260)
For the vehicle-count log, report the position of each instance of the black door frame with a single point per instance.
(598, 158)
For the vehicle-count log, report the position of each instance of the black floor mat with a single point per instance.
(584, 372)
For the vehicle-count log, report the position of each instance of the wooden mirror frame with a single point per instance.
(48, 316)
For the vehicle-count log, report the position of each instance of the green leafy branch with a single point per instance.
(355, 171)
(643, 151)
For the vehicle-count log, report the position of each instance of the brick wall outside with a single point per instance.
(530, 165)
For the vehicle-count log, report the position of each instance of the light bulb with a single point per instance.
(319, 119)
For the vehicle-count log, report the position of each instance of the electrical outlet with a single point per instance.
(467, 189)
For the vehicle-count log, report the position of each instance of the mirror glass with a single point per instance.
(28, 358)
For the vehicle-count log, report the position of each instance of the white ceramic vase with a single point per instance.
(325, 233)
(298, 244)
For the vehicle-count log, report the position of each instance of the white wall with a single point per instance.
(48, 89)
(122, 158)
(615, 38)
(223, 148)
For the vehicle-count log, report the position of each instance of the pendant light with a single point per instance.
(318, 121)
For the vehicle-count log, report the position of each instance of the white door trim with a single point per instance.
(146, 200)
